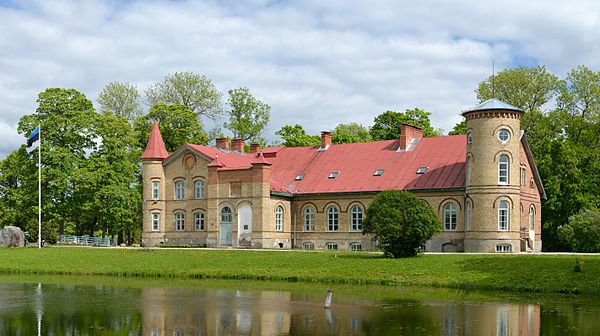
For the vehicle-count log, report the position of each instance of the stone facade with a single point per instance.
(201, 201)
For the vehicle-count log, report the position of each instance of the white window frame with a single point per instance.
(279, 218)
(523, 176)
(503, 248)
(199, 221)
(308, 246)
(504, 131)
(356, 218)
(226, 217)
(155, 190)
(531, 218)
(503, 169)
(469, 137)
(156, 221)
(331, 246)
(179, 221)
(179, 190)
(333, 216)
(199, 189)
(309, 219)
(355, 247)
(503, 216)
(450, 211)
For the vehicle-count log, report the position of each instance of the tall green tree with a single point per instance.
(460, 128)
(248, 116)
(350, 133)
(178, 126)
(295, 136)
(120, 99)
(582, 232)
(400, 222)
(386, 126)
(194, 91)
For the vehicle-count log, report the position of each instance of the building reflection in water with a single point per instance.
(168, 311)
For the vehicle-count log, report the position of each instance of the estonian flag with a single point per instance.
(34, 140)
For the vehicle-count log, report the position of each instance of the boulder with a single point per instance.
(12, 236)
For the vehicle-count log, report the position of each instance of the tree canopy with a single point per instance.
(400, 222)
(248, 116)
(189, 89)
(386, 126)
(582, 232)
(349, 133)
(120, 99)
(295, 136)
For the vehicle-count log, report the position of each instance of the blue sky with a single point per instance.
(317, 63)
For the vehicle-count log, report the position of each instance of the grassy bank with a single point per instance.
(529, 273)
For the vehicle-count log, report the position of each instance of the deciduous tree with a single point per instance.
(295, 136)
(349, 133)
(387, 125)
(248, 116)
(120, 99)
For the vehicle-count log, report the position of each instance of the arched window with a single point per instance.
(199, 189)
(469, 137)
(226, 215)
(450, 216)
(156, 190)
(155, 221)
(503, 169)
(356, 218)
(503, 216)
(279, 218)
(332, 218)
(468, 214)
(532, 218)
(309, 219)
(179, 221)
(179, 190)
(308, 246)
(469, 166)
(199, 221)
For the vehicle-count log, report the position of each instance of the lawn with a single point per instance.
(505, 272)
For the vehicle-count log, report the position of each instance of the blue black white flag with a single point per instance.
(34, 140)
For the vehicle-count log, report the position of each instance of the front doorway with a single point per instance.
(225, 232)
(244, 225)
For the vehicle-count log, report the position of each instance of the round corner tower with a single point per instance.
(492, 194)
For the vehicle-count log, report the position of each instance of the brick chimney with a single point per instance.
(222, 143)
(407, 134)
(237, 145)
(254, 148)
(325, 139)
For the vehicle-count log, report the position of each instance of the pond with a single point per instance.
(105, 306)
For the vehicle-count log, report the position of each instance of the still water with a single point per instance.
(58, 307)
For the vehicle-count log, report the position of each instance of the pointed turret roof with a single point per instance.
(155, 149)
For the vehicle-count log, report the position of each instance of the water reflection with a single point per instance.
(59, 309)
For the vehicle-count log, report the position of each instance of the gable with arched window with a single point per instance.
(279, 218)
(450, 218)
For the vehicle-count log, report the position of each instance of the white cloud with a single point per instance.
(317, 63)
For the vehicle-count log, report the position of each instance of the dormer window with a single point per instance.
(421, 170)
(299, 177)
(333, 174)
(378, 172)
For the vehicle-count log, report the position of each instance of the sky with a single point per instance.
(316, 63)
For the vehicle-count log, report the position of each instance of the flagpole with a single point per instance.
(40, 188)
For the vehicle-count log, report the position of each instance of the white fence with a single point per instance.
(87, 240)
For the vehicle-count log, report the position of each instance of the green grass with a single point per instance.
(522, 273)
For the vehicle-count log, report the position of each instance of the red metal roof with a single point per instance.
(155, 148)
(444, 157)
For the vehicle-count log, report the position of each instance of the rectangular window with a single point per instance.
(503, 248)
(279, 219)
(308, 246)
(155, 190)
(355, 247)
(155, 221)
(356, 218)
(199, 221)
(523, 176)
(179, 190)
(503, 219)
(332, 246)
(179, 221)
(309, 219)
(199, 190)
(332, 221)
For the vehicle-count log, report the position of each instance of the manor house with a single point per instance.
(483, 185)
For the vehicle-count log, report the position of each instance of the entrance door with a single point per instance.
(225, 238)
(244, 225)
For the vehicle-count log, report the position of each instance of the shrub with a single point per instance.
(582, 233)
(400, 222)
